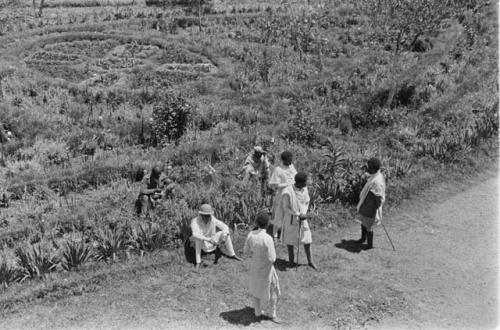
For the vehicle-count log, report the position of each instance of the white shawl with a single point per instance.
(375, 184)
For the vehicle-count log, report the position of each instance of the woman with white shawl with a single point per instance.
(371, 200)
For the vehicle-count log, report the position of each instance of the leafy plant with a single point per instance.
(35, 262)
(8, 273)
(147, 238)
(109, 243)
(75, 254)
(170, 118)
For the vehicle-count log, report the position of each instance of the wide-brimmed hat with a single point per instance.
(206, 209)
(259, 149)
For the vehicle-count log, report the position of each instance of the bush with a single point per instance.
(147, 238)
(35, 262)
(303, 127)
(9, 274)
(109, 243)
(75, 254)
(171, 116)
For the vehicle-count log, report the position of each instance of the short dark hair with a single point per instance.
(262, 220)
(287, 156)
(374, 163)
(301, 177)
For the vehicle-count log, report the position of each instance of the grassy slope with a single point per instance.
(351, 290)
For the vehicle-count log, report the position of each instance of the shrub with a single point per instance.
(109, 243)
(147, 238)
(75, 254)
(303, 127)
(35, 262)
(170, 118)
(8, 273)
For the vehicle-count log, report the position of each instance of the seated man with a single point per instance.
(153, 188)
(206, 237)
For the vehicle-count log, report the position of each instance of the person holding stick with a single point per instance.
(371, 200)
(295, 202)
(263, 282)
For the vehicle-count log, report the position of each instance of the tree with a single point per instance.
(40, 7)
(199, 5)
(402, 22)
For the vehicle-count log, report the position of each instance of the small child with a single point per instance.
(264, 284)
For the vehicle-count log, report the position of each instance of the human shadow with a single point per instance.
(350, 245)
(244, 316)
(281, 264)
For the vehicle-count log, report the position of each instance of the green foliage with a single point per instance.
(109, 244)
(75, 254)
(147, 237)
(303, 126)
(9, 273)
(35, 262)
(171, 118)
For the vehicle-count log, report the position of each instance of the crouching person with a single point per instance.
(207, 238)
(264, 284)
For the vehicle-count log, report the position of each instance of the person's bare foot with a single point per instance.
(235, 257)
(313, 266)
(274, 319)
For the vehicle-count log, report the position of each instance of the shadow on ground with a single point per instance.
(350, 246)
(244, 316)
(281, 264)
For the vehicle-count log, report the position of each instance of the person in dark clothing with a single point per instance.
(371, 200)
(154, 186)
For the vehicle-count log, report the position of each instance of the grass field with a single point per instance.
(82, 86)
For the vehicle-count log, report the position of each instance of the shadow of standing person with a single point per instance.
(350, 245)
(244, 316)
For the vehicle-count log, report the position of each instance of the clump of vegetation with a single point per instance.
(75, 254)
(171, 117)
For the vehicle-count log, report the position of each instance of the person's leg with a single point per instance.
(143, 206)
(273, 300)
(370, 240)
(307, 248)
(363, 235)
(369, 236)
(225, 238)
(197, 251)
(291, 255)
(256, 307)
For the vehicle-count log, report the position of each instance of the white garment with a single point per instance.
(263, 276)
(295, 202)
(206, 231)
(375, 184)
(282, 177)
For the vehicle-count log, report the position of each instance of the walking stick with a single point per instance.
(298, 248)
(387, 234)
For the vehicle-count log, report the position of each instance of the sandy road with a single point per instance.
(448, 262)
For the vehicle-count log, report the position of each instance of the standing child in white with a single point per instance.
(263, 283)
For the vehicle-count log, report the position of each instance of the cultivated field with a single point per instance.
(92, 93)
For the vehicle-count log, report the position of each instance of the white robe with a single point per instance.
(295, 202)
(262, 273)
(282, 177)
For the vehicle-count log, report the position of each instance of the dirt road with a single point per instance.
(449, 261)
(443, 275)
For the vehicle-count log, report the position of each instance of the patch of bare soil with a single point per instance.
(443, 275)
